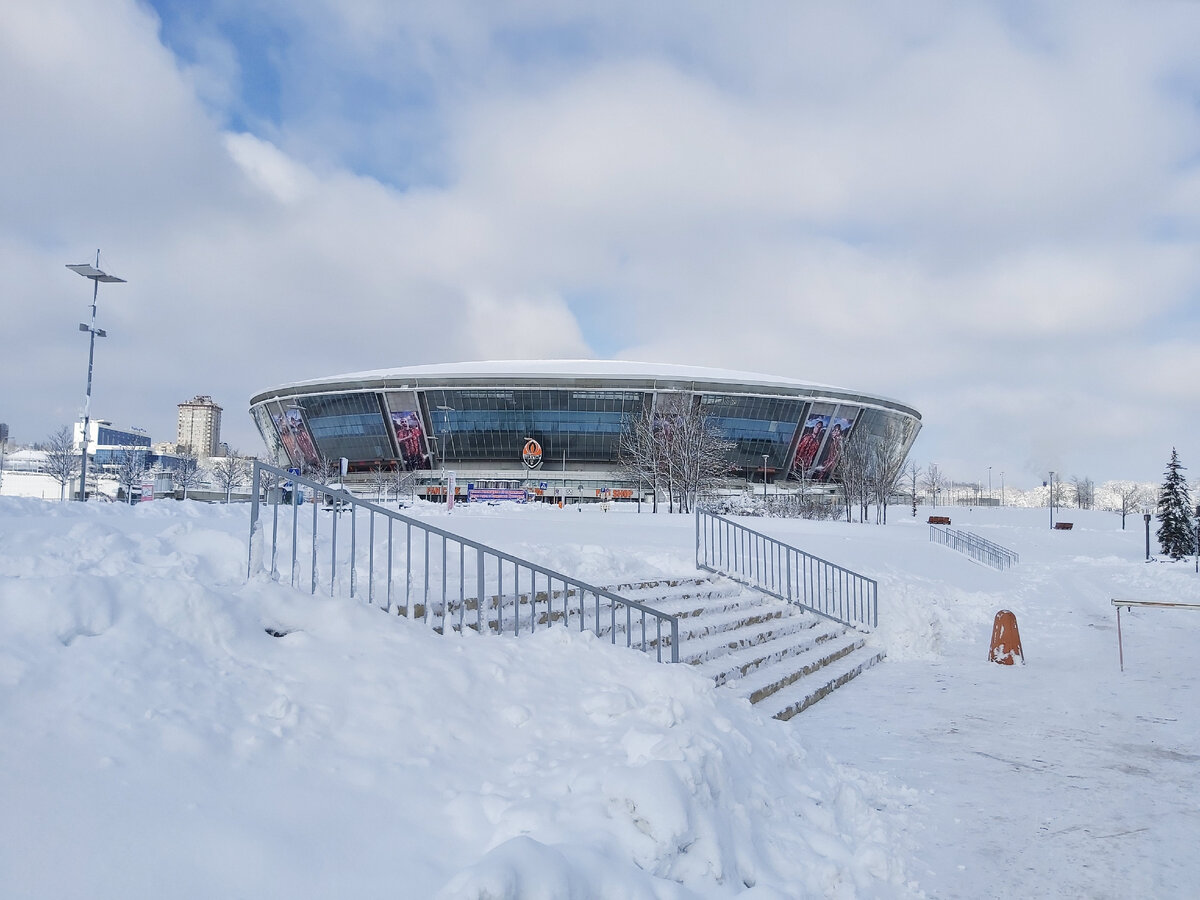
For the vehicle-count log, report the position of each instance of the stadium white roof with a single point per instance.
(542, 372)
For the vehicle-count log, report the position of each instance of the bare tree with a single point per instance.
(230, 472)
(1085, 492)
(267, 480)
(853, 472)
(381, 480)
(324, 470)
(639, 453)
(187, 473)
(935, 482)
(1058, 494)
(674, 445)
(697, 454)
(404, 480)
(888, 452)
(1131, 497)
(62, 460)
(912, 474)
(130, 468)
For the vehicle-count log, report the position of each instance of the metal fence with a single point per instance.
(783, 571)
(404, 565)
(979, 549)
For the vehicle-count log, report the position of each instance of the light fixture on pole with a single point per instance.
(1051, 499)
(989, 482)
(96, 275)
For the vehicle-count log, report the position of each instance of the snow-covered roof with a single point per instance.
(640, 374)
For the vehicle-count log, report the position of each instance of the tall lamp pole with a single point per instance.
(989, 482)
(1052, 499)
(765, 456)
(3, 442)
(445, 411)
(96, 275)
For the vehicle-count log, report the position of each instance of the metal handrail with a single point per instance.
(781, 570)
(977, 548)
(1153, 604)
(488, 588)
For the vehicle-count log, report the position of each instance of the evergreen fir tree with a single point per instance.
(1175, 535)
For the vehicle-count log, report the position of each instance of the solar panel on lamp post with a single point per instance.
(87, 270)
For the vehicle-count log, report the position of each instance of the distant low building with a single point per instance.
(108, 444)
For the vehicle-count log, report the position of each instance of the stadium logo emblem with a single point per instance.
(531, 454)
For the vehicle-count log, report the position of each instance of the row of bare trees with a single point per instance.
(63, 465)
(872, 468)
(671, 447)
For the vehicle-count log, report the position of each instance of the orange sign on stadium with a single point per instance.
(531, 454)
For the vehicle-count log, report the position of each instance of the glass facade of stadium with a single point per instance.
(478, 419)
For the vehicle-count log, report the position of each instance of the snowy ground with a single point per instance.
(158, 742)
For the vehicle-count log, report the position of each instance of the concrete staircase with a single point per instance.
(781, 658)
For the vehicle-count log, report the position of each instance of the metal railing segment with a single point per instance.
(420, 571)
(781, 570)
(977, 548)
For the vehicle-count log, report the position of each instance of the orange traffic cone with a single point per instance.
(1006, 640)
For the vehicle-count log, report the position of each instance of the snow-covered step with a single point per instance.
(735, 643)
(780, 657)
(766, 680)
(802, 694)
(778, 644)
(685, 598)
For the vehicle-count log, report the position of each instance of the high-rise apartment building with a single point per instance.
(200, 425)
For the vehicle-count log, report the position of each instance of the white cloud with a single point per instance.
(988, 211)
(514, 328)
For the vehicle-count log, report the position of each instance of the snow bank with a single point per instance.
(161, 742)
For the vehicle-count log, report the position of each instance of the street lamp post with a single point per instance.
(445, 411)
(989, 482)
(3, 442)
(96, 275)
(1051, 500)
(765, 457)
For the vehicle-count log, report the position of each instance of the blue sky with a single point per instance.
(990, 211)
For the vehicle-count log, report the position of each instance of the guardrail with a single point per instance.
(978, 548)
(781, 570)
(422, 571)
(1153, 604)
